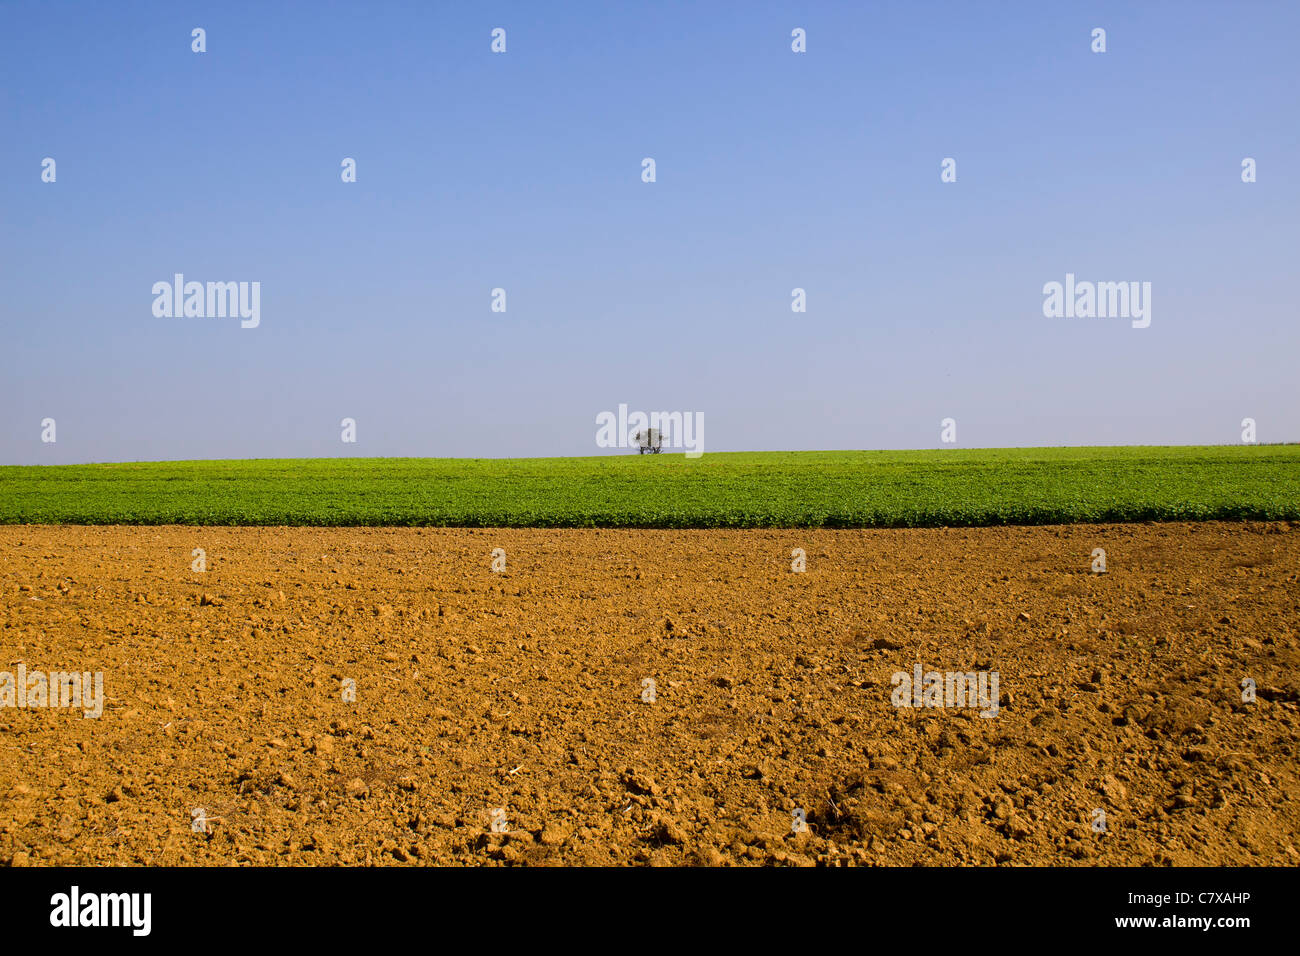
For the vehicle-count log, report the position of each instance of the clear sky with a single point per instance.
(522, 170)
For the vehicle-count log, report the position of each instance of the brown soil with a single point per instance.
(522, 690)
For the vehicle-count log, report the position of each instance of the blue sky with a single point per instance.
(522, 171)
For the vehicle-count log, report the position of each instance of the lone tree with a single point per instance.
(649, 440)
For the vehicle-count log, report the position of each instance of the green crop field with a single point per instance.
(749, 489)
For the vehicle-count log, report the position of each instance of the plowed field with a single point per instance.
(382, 695)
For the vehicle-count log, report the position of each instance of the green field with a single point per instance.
(728, 490)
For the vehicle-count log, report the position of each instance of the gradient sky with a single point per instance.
(522, 171)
